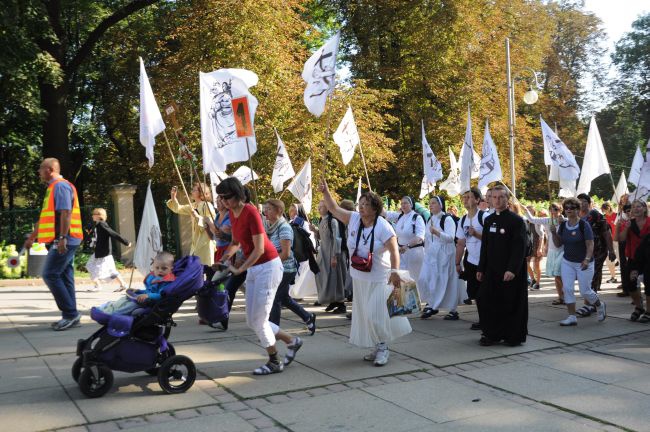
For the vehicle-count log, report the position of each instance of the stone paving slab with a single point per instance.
(443, 352)
(441, 399)
(229, 422)
(349, 410)
(618, 406)
(601, 368)
(634, 350)
(25, 374)
(34, 410)
(14, 345)
(539, 382)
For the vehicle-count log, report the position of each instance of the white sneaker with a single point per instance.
(372, 354)
(571, 320)
(602, 311)
(381, 358)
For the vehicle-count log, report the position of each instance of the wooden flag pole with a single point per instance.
(250, 164)
(365, 167)
(327, 131)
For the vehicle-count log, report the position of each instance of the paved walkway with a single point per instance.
(590, 377)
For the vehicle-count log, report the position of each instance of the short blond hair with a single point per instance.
(101, 213)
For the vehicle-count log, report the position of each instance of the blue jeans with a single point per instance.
(58, 274)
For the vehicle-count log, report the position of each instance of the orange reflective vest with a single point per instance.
(47, 221)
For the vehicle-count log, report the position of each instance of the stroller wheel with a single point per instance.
(164, 355)
(95, 381)
(177, 374)
(76, 369)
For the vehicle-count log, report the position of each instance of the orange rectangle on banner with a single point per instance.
(243, 124)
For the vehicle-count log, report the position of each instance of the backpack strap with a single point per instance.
(481, 215)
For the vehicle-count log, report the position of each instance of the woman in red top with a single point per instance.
(264, 273)
(610, 217)
(632, 234)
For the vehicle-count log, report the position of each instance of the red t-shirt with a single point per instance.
(633, 241)
(611, 220)
(244, 227)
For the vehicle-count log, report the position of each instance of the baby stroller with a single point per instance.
(139, 343)
(212, 299)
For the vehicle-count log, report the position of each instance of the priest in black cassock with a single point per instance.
(503, 294)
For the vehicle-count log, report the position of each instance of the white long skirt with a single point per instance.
(305, 284)
(370, 321)
(411, 260)
(438, 284)
(102, 269)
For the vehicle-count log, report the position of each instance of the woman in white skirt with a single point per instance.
(101, 265)
(374, 263)
(409, 227)
(555, 253)
(438, 282)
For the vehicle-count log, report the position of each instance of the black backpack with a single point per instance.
(415, 217)
(529, 239)
(302, 246)
(481, 217)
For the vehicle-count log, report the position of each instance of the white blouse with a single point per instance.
(406, 228)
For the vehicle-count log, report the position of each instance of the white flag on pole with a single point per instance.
(469, 159)
(426, 188)
(300, 186)
(637, 163)
(245, 175)
(347, 136)
(642, 192)
(452, 183)
(215, 179)
(282, 169)
(320, 75)
(595, 162)
(490, 166)
(149, 241)
(219, 140)
(556, 153)
(621, 188)
(432, 166)
(151, 122)
(356, 204)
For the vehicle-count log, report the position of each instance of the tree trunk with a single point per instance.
(55, 126)
(2, 162)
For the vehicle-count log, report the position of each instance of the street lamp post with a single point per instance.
(530, 97)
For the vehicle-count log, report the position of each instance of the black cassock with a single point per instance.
(503, 306)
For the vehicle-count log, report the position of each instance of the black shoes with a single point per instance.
(428, 313)
(311, 324)
(475, 326)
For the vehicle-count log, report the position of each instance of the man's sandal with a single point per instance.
(585, 311)
(637, 314)
(269, 368)
(292, 350)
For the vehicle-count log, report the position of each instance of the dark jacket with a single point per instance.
(102, 237)
(641, 261)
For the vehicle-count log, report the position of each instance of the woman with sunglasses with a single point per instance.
(264, 272)
(578, 262)
(554, 254)
(632, 234)
(374, 264)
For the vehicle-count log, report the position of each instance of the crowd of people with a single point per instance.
(489, 255)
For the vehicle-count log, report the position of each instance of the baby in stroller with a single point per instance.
(138, 342)
(134, 300)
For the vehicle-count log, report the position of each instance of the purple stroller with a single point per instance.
(139, 343)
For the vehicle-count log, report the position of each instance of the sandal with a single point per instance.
(637, 313)
(645, 318)
(292, 350)
(585, 311)
(558, 302)
(269, 368)
(451, 316)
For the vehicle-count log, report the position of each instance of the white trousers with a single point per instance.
(262, 282)
(570, 273)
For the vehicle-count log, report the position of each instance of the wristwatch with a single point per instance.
(61, 237)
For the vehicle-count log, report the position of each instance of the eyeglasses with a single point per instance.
(571, 208)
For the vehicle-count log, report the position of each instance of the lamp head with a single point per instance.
(531, 96)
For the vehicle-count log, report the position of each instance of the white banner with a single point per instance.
(220, 143)
(637, 163)
(426, 188)
(490, 166)
(595, 162)
(621, 188)
(149, 238)
(320, 75)
(432, 166)
(642, 192)
(452, 183)
(556, 153)
(151, 122)
(300, 186)
(282, 169)
(245, 175)
(470, 162)
(215, 179)
(347, 136)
